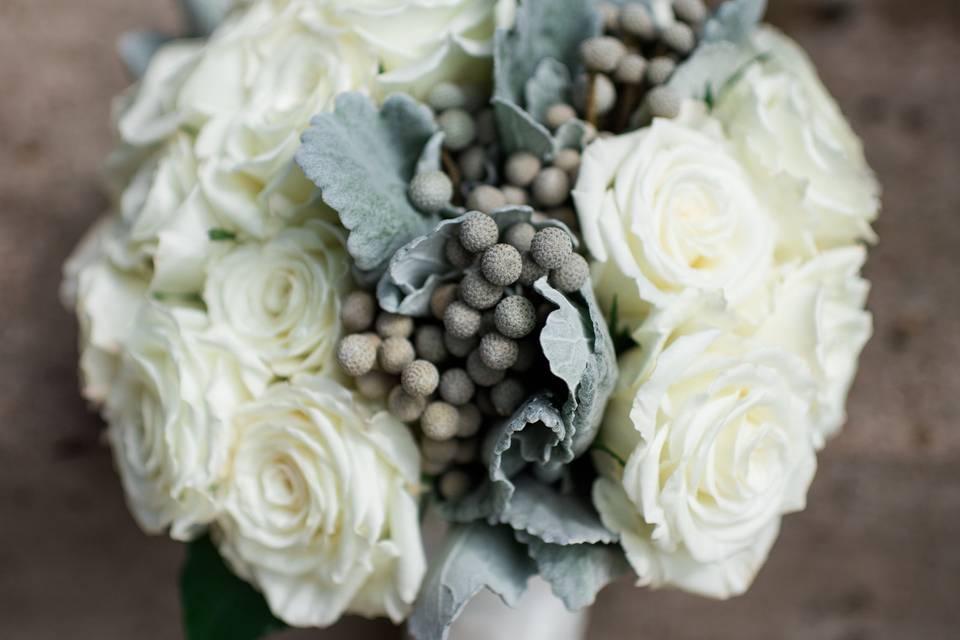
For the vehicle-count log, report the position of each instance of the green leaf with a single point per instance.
(558, 518)
(473, 557)
(217, 605)
(362, 160)
(734, 21)
(220, 235)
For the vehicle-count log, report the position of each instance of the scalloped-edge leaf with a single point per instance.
(734, 21)
(564, 338)
(362, 160)
(576, 573)
(710, 67)
(217, 605)
(557, 518)
(474, 557)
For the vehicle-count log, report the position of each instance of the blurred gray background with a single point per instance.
(875, 556)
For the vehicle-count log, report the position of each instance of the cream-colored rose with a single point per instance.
(716, 438)
(818, 314)
(668, 208)
(168, 415)
(805, 159)
(320, 505)
(282, 297)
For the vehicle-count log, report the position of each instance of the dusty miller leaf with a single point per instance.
(549, 85)
(563, 338)
(547, 514)
(362, 160)
(430, 157)
(734, 21)
(473, 557)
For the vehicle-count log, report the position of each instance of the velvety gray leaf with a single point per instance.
(570, 135)
(430, 159)
(362, 160)
(734, 21)
(203, 16)
(519, 131)
(136, 49)
(710, 67)
(474, 557)
(576, 573)
(564, 339)
(554, 517)
(549, 85)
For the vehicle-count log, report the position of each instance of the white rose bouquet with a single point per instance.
(578, 280)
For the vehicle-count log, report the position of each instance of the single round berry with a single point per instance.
(457, 255)
(477, 292)
(571, 275)
(552, 187)
(602, 53)
(660, 69)
(403, 406)
(507, 396)
(519, 236)
(690, 11)
(429, 192)
(604, 93)
(526, 356)
(420, 378)
(393, 325)
(357, 354)
(480, 373)
(461, 321)
(514, 195)
(486, 127)
(375, 385)
(550, 247)
(470, 421)
(459, 347)
(439, 421)
(441, 299)
(478, 232)
(501, 265)
(428, 342)
(530, 271)
(395, 354)
(456, 387)
(679, 37)
(567, 160)
(445, 96)
(486, 199)
(521, 168)
(473, 164)
(458, 128)
(357, 311)
(497, 351)
(664, 102)
(631, 70)
(515, 317)
(439, 452)
(635, 20)
(454, 484)
(559, 114)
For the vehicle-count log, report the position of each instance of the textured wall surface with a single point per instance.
(876, 555)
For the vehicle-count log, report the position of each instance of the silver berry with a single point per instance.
(690, 11)
(457, 255)
(473, 164)
(478, 232)
(420, 378)
(430, 191)
(552, 187)
(519, 236)
(461, 321)
(429, 345)
(514, 195)
(375, 385)
(395, 354)
(501, 265)
(439, 421)
(479, 293)
(458, 128)
(679, 37)
(444, 96)
(403, 406)
(571, 275)
(631, 70)
(459, 347)
(507, 396)
(454, 484)
(602, 53)
(530, 272)
(521, 168)
(497, 351)
(456, 387)
(357, 311)
(515, 317)
(664, 102)
(567, 160)
(480, 373)
(392, 325)
(660, 69)
(470, 421)
(441, 299)
(559, 114)
(357, 354)
(486, 199)
(550, 247)
(635, 20)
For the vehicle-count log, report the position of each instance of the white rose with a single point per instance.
(168, 413)
(282, 297)
(804, 156)
(818, 314)
(717, 445)
(320, 507)
(667, 208)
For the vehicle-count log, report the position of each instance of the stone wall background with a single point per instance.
(875, 556)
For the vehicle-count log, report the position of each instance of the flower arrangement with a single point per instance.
(580, 280)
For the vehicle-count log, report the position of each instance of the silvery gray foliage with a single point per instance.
(544, 30)
(136, 49)
(549, 85)
(734, 21)
(474, 557)
(362, 159)
(553, 517)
